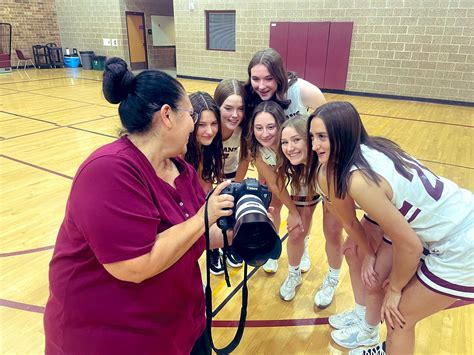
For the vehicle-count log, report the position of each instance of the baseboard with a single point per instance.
(367, 94)
(399, 97)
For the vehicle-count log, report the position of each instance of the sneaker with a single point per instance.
(216, 267)
(271, 266)
(373, 350)
(343, 319)
(305, 263)
(355, 336)
(288, 288)
(233, 259)
(325, 295)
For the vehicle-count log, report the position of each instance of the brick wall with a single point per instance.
(33, 22)
(84, 23)
(420, 48)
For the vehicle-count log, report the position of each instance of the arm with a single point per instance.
(311, 96)
(270, 177)
(173, 243)
(406, 246)
(242, 170)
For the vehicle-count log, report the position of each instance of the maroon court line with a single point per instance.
(418, 120)
(27, 251)
(36, 167)
(21, 306)
(223, 323)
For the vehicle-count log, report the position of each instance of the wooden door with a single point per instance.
(137, 40)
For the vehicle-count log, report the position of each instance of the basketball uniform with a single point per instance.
(442, 215)
(232, 154)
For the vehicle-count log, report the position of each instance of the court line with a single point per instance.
(31, 133)
(222, 323)
(448, 164)
(28, 117)
(60, 77)
(26, 251)
(93, 132)
(417, 120)
(36, 166)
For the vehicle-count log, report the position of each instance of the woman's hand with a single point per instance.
(368, 274)
(294, 221)
(390, 311)
(219, 205)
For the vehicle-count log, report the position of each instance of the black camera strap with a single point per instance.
(243, 312)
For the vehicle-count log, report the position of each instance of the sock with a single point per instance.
(334, 273)
(295, 269)
(360, 311)
(369, 328)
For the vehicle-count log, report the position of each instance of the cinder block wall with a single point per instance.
(84, 23)
(419, 48)
(33, 22)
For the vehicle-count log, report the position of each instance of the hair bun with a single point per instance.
(118, 81)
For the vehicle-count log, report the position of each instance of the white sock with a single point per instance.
(295, 269)
(334, 273)
(369, 328)
(360, 311)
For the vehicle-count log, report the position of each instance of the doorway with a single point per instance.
(137, 40)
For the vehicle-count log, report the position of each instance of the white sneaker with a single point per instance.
(325, 295)
(355, 336)
(288, 288)
(343, 319)
(373, 350)
(271, 266)
(305, 263)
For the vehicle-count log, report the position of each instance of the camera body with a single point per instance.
(248, 186)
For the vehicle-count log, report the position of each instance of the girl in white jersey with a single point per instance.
(412, 205)
(230, 97)
(268, 80)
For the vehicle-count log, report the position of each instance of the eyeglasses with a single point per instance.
(194, 115)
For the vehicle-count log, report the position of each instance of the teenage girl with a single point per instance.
(291, 170)
(230, 97)
(412, 205)
(269, 80)
(205, 153)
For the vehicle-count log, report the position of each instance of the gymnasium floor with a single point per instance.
(51, 120)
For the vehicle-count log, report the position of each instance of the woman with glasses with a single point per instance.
(128, 248)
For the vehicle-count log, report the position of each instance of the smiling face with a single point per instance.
(207, 128)
(265, 130)
(232, 114)
(294, 146)
(320, 140)
(263, 83)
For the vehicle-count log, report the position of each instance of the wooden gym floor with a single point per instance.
(51, 120)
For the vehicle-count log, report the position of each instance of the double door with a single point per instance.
(317, 51)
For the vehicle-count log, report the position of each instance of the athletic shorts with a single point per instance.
(449, 267)
(301, 199)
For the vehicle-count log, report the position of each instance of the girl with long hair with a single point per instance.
(412, 205)
(230, 97)
(204, 149)
(268, 80)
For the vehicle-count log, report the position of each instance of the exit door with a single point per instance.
(137, 40)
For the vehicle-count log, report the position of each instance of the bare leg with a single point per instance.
(417, 303)
(276, 204)
(332, 228)
(375, 295)
(295, 247)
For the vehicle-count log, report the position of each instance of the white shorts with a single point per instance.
(301, 198)
(449, 267)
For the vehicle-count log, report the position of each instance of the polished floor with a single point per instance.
(51, 120)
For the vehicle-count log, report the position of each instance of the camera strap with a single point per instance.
(243, 312)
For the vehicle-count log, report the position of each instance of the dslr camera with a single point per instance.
(255, 238)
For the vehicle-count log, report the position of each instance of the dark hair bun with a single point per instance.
(118, 81)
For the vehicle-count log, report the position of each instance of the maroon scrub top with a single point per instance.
(116, 207)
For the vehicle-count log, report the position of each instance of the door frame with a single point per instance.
(144, 36)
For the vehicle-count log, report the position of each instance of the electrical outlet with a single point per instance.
(106, 42)
(115, 42)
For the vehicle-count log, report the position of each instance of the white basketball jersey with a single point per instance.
(434, 207)
(232, 152)
(268, 156)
